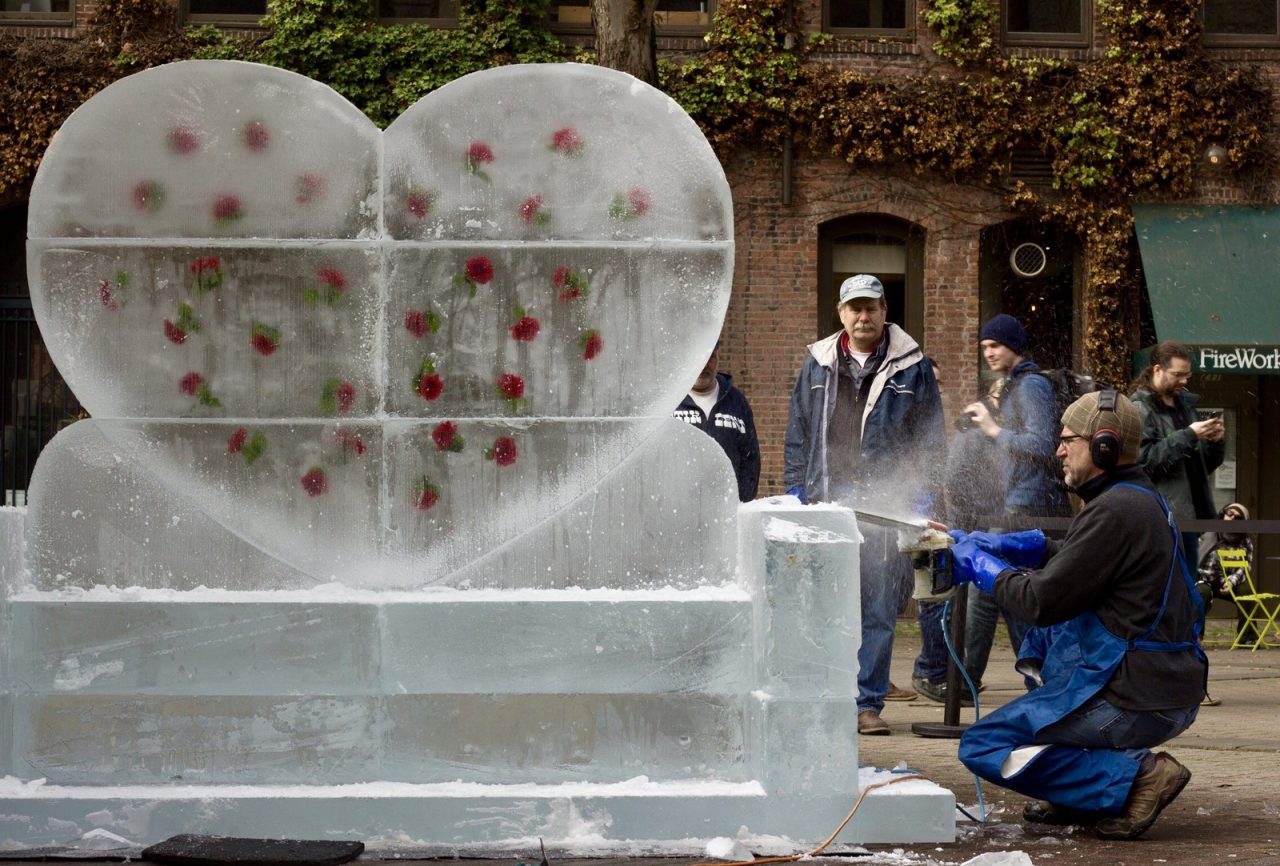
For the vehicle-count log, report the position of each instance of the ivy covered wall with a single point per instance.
(1130, 123)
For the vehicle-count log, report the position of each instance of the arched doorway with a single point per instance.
(887, 247)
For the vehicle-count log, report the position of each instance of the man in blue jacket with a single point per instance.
(1025, 436)
(865, 428)
(721, 411)
(1118, 621)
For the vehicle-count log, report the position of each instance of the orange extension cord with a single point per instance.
(791, 858)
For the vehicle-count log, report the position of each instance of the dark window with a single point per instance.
(36, 11)
(1241, 22)
(1046, 22)
(243, 13)
(895, 17)
(672, 15)
(435, 11)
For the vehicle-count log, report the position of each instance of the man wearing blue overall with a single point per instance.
(1116, 639)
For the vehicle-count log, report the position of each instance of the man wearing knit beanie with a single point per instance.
(1116, 640)
(1022, 428)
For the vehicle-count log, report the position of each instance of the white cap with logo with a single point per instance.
(861, 286)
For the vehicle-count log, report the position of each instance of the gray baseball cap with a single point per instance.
(861, 286)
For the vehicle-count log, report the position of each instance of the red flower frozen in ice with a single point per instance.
(148, 195)
(639, 200)
(427, 383)
(332, 284)
(572, 284)
(525, 328)
(114, 295)
(183, 139)
(430, 386)
(333, 278)
(194, 385)
(511, 387)
(533, 213)
(349, 442)
(227, 208)
(478, 271)
(315, 482)
(417, 203)
(338, 396)
(191, 383)
(425, 494)
(566, 141)
(308, 187)
(479, 154)
(250, 447)
(207, 272)
(503, 451)
(186, 324)
(592, 344)
(256, 136)
(421, 322)
(635, 203)
(264, 338)
(447, 438)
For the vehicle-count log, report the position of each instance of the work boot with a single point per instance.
(897, 694)
(870, 724)
(1041, 812)
(1158, 783)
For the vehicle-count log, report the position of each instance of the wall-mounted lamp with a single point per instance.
(1215, 155)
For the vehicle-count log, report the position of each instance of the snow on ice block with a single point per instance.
(635, 817)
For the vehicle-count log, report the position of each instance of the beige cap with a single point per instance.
(1084, 418)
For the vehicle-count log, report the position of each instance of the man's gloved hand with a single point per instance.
(971, 564)
(1022, 549)
(798, 493)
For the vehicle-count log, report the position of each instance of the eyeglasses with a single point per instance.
(1064, 441)
(1233, 515)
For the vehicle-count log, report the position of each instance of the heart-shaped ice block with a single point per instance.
(315, 351)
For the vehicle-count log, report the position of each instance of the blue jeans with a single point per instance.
(883, 570)
(931, 664)
(980, 631)
(1099, 724)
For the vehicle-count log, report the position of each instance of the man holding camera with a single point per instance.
(1116, 643)
(865, 425)
(1022, 427)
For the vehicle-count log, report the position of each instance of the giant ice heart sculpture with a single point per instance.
(318, 352)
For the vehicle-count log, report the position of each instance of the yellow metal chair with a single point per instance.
(1260, 609)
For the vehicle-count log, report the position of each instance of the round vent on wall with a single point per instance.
(1028, 260)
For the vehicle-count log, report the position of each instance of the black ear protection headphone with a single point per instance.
(1104, 445)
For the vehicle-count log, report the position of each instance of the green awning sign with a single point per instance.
(1211, 274)
(1237, 359)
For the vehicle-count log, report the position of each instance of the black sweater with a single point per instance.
(1114, 561)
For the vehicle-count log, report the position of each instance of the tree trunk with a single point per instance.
(625, 36)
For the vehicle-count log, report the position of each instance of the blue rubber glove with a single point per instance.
(1022, 549)
(798, 493)
(971, 564)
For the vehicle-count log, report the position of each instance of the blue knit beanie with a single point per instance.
(1005, 330)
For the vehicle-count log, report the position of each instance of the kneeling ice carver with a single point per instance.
(1117, 626)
